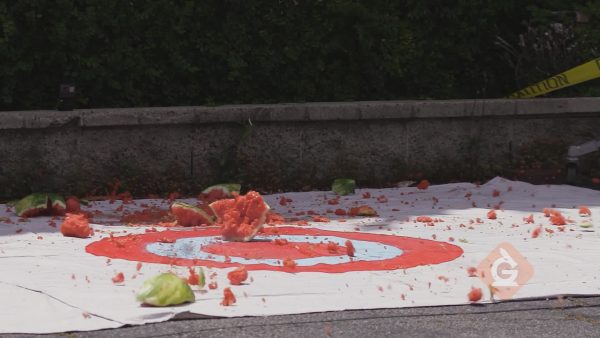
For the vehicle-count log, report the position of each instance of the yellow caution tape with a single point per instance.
(585, 72)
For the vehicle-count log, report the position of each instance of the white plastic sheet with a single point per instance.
(49, 283)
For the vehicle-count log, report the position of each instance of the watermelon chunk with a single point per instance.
(219, 191)
(237, 276)
(474, 295)
(188, 215)
(241, 217)
(228, 297)
(40, 204)
(165, 289)
(76, 226)
(73, 205)
(363, 210)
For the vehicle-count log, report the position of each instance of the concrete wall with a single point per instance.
(289, 146)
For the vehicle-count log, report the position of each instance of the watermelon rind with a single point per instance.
(165, 289)
(210, 219)
(57, 201)
(84, 202)
(40, 203)
(343, 186)
(37, 202)
(226, 188)
(256, 230)
(263, 219)
(201, 277)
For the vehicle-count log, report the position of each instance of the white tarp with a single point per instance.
(49, 283)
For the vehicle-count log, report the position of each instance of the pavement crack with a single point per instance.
(583, 318)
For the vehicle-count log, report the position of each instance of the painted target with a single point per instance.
(313, 250)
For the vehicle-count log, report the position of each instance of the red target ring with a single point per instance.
(307, 246)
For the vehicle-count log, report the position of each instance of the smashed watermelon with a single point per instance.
(241, 217)
(188, 215)
(40, 204)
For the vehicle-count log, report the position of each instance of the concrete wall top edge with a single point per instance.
(286, 112)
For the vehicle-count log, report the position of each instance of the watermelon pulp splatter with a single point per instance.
(118, 278)
(350, 248)
(241, 217)
(193, 278)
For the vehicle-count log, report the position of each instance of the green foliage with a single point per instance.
(178, 52)
(558, 36)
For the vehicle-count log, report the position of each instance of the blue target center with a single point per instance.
(191, 248)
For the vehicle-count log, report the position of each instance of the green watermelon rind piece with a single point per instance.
(227, 188)
(343, 186)
(57, 201)
(165, 289)
(201, 277)
(210, 218)
(39, 202)
(29, 203)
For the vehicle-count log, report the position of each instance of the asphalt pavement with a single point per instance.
(562, 317)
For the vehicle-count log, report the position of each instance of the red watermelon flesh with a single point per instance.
(76, 226)
(188, 215)
(213, 195)
(241, 217)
